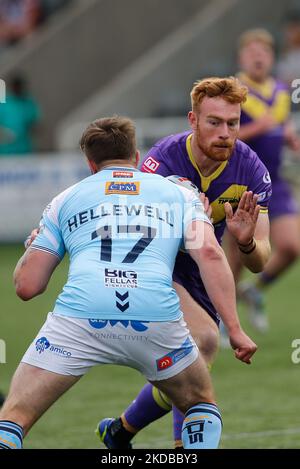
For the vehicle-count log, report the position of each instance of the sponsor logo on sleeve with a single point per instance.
(267, 178)
(150, 165)
(261, 196)
(122, 187)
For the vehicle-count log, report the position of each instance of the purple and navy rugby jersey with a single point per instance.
(244, 171)
(272, 96)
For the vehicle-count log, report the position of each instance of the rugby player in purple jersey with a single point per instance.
(266, 127)
(234, 180)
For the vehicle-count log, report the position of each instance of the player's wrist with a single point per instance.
(247, 248)
(233, 328)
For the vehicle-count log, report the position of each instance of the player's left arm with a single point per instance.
(249, 226)
(33, 272)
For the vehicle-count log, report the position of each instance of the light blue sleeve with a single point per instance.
(193, 209)
(50, 237)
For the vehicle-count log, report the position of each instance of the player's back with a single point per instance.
(122, 229)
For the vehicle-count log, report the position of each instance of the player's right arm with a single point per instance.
(33, 272)
(34, 269)
(219, 283)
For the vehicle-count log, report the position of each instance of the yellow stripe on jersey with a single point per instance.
(281, 107)
(256, 107)
(264, 210)
(205, 180)
(265, 89)
(232, 195)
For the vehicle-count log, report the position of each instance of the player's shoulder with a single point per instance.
(164, 152)
(245, 153)
(63, 196)
(174, 186)
(60, 198)
(249, 164)
(281, 86)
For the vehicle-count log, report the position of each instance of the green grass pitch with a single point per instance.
(260, 403)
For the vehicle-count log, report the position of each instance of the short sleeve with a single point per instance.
(193, 208)
(261, 184)
(50, 237)
(154, 163)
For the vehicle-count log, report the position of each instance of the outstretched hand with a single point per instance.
(241, 224)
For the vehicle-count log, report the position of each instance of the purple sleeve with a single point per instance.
(261, 184)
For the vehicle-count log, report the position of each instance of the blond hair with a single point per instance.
(109, 138)
(256, 35)
(229, 88)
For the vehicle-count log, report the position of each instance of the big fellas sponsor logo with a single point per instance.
(43, 344)
(115, 278)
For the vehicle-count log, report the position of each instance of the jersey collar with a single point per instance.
(205, 180)
(120, 168)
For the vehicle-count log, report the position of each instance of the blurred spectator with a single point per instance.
(18, 117)
(18, 18)
(289, 65)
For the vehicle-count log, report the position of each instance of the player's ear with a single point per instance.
(136, 158)
(92, 165)
(192, 120)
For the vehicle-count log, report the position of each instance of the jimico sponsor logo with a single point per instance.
(43, 344)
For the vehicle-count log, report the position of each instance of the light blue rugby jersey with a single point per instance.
(122, 229)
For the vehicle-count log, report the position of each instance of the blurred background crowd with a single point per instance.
(64, 63)
(67, 62)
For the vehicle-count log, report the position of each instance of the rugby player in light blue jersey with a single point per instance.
(238, 187)
(122, 230)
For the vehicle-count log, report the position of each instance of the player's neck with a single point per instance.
(206, 165)
(117, 163)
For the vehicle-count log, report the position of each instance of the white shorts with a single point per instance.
(71, 346)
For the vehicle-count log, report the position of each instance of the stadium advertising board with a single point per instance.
(27, 185)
